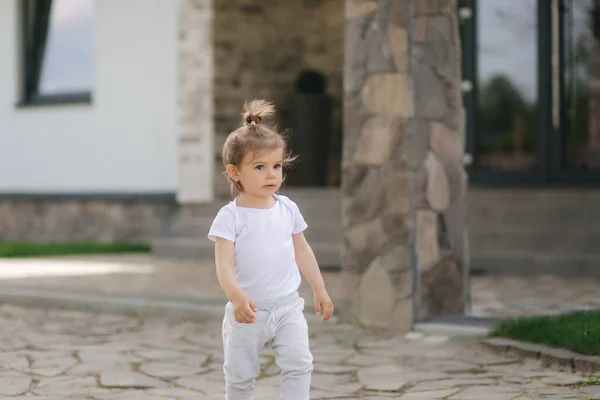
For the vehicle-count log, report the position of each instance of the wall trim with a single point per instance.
(162, 197)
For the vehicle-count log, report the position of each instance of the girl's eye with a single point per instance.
(277, 166)
(259, 167)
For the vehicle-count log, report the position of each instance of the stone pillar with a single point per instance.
(403, 182)
(196, 114)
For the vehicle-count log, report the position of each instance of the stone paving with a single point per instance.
(47, 355)
(147, 276)
(511, 296)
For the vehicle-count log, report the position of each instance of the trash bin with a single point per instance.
(311, 114)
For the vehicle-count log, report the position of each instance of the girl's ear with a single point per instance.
(233, 172)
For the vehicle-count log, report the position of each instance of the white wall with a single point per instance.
(126, 141)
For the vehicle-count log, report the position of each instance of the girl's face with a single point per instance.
(261, 173)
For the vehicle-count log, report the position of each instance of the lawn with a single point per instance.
(578, 331)
(30, 249)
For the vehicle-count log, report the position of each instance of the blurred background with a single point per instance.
(113, 114)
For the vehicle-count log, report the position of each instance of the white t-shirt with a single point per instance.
(265, 262)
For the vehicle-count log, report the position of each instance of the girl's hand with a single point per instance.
(244, 310)
(323, 304)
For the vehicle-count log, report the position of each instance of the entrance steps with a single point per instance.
(512, 231)
(320, 208)
(534, 231)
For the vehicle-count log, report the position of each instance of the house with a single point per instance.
(113, 114)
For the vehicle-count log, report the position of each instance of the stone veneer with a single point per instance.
(403, 182)
(260, 46)
(102, 220)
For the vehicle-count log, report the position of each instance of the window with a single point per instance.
(581, 93)
(58, 51)
(533, 116)
(507, 85)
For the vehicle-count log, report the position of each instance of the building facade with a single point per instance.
(113, 115)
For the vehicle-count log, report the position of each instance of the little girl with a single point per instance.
(260, 251)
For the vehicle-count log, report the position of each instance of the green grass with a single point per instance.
(578, 331)
(30, 249)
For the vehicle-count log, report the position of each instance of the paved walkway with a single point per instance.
(510, 296)
(143, 275)
(47, 355)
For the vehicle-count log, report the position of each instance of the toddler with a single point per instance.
(260, 251)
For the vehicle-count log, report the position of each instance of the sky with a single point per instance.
(508, 40)
(68, 60)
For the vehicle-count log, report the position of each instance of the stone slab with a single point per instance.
(548, 355)
(418, 367)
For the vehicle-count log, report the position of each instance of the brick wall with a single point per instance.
(260, 46)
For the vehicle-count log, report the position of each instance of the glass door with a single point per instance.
(506, 137)
(577, 153)
(506, 97)
(531, 80)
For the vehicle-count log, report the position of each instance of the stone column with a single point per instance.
(195, 121)
(403, 182)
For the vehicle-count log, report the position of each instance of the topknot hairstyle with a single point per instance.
(256, 135)
(256, 110)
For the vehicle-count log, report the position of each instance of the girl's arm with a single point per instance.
(307, 263)
(243, 308)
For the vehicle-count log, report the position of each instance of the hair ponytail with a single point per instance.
(257, 110)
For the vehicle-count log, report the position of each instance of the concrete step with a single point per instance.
(327, 230)
(328, 254)
(532, 263)
(534, 208)
(520, 231)
(321, 208)
(532, 231)
(584, 241)
(482, 217)
(559, 197)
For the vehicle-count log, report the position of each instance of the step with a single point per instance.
(525, 263)
(319, 230)
(549, 208)
(328, 255)
(583, 241)
(542, 197)
(543, 216)
(314, 206)
(520, 231)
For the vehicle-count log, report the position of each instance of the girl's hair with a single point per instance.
(254, 136)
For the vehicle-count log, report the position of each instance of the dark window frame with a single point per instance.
(549, 171)
(35, 20)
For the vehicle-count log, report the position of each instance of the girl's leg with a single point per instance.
(293, 354)
(242, 344)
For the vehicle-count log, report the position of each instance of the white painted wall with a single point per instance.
(126, 141)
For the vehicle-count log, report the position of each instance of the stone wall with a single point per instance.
(260, 46)
(403, 183)
(97, 220)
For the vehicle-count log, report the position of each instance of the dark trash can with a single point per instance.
(311, 113)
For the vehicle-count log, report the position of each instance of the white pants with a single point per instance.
(281, 323)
